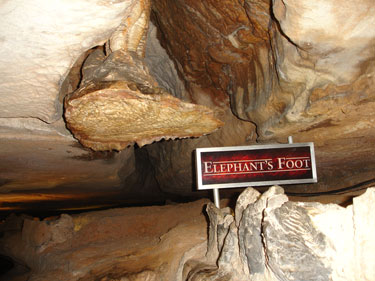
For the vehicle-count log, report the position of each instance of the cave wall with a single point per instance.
(265, 69)
(290, 67)
(264, 237)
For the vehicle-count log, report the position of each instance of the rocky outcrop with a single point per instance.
(41, 42)
(283, 64)
(287, 67)
(269, 69)
(42, 63)
(271, 238)
(38, 94)
(120, 104)
(148, 243)
(266, 237)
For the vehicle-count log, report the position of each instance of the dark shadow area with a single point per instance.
(6, 264)
(141, 184)
(11, 270)
(43, 210)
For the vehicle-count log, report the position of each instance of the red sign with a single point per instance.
(241, 166)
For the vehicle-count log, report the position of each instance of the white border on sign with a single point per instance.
(202, 186)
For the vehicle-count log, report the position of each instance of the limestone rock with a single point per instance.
(285, 67)
(119, 103)
(112, 115)
(130, 244)
(161, 67)
(276, 239)
(42, 40)
(44, 234)
(219, 44)
(282, 63)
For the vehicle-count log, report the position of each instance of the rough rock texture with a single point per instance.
(266, 238)
(45, 46)
(119, 103)
(174, 162)
(161, 66)
(271, 238)
(148, 243)
(291, 67)
(113, 115)
(223, 49)
(282, 65)
(42, 41)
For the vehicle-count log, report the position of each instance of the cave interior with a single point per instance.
(103, 104)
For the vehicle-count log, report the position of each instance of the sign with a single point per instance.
(256, 165)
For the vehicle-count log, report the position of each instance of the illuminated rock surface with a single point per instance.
(271, 238)
(106, 116)
(119, 103)
(42, 43)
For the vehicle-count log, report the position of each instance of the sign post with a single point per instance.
(216, 197)
(256, 165)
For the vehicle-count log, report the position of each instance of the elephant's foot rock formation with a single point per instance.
(118, 103)
(107, 116)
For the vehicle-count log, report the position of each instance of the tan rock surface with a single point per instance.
(119, 103)
(291, 67)
(270, 238)
(112, 116)
(126, 244)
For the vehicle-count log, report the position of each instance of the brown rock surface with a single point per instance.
(119, 103)
(287, 68)
(298, 76)
(126, 244)
(54, 162)
(222, 48)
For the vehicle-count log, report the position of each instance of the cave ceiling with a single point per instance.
(85, 84)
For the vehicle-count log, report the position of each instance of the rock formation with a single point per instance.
(147, 243)
(132, 109)
(291, 67)
(271, 238)
(265, 238)
(47, 59)
(280, 62)
(120, 104)
(42, 44)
